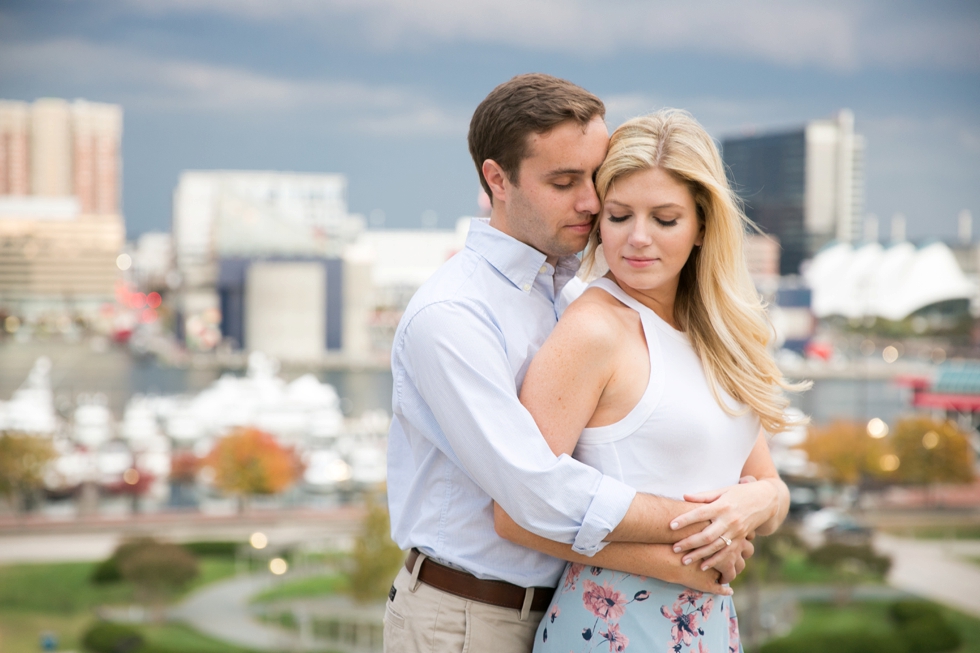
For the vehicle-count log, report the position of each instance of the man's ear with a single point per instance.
(496, 179)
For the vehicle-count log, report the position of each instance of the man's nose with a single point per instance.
(588, 201)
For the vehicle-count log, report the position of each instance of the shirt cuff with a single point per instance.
(609, 505)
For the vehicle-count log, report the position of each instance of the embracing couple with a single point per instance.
(579, 467)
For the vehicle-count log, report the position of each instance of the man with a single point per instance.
(460, 439)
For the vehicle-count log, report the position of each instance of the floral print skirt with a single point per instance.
(595, 608)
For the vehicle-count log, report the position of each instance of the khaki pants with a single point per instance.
(432, 621)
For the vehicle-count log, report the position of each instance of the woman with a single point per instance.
(678, 310)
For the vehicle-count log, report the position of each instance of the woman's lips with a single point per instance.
(640, 262)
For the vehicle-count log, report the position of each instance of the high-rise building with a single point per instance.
(15, 173)
(60, 224)
(53, 148)
(804, 186)
(96, 136)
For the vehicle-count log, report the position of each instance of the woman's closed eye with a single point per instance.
(666, 223)
(618, 218)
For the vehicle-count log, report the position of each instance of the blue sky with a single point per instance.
(382, 90)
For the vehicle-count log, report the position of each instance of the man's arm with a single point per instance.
(464, 378)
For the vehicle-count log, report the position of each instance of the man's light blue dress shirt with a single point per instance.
(460, 434)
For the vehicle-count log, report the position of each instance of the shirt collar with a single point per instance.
(519, 262)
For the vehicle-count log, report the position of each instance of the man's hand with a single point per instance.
(704, 580)
(730, 562)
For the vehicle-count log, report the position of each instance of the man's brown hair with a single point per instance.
(525, 105)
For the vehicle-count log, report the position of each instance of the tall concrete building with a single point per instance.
(60, 224)
(805, 186)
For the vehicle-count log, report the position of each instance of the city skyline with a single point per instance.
(382, 92)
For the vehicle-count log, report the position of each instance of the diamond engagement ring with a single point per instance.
(727, 541)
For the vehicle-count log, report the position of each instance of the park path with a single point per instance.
(935, 569)
(221, 611)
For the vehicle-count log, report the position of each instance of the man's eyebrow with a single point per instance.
(566, 171)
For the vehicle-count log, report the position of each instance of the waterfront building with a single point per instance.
(892, 283)
(260, 260)
(55, 259)
(805, 186)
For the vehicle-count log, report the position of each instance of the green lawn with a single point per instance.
(871, 617)
(304, 587)
(59, 597)
(177, 638)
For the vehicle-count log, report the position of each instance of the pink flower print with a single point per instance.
(571, 578)
(705, 608)
(555, 611)
(734, 644)
(617, 640)
(701, 647)
(690, 596)
(685, 625)
(604, 601)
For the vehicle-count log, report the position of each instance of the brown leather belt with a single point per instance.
(467, 586)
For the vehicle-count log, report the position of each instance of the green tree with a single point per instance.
(23, 460)
(932, 451)
(157, 570)
(376, 557)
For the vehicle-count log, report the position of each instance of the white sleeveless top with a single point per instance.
(677, 440)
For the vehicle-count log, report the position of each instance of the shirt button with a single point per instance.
(527, 287)
(544, 268)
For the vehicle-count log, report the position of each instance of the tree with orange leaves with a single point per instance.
(248, 461)
(845, 452)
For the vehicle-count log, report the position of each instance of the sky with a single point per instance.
(383, 90)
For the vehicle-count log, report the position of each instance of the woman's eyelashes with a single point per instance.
(623, 218)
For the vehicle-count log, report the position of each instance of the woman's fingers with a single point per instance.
(703, 497)
(704, 552)
(748, 479)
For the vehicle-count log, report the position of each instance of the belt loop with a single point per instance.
(415, 572)
(528, 600)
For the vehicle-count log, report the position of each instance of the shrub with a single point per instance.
(108, 571)
(105, 637)
(213, 549)
(923, 627)
(834, 553)
(159, 567)
(855, 642)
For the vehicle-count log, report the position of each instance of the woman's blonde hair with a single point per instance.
(716, 303)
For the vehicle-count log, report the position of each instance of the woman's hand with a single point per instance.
(734, 513)
(704, 580)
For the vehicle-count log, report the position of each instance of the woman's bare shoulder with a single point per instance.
(594, 319)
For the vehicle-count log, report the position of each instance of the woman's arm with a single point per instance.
(758, 506)
(653, 560)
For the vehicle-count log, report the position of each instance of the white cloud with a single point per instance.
(835, 34)
(138, 80)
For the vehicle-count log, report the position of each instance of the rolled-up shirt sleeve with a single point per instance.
(463, 377)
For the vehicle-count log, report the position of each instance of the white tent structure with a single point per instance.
(888, 283)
